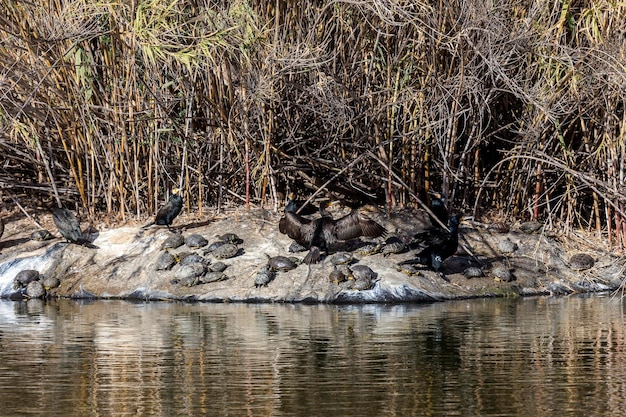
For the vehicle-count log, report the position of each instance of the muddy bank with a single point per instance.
(125, 264)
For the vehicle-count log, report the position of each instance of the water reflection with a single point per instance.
(542, 356)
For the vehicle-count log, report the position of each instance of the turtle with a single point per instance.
(362, 284)
(41, 235)
(217, 267)
(213, 246)
(212, 276)
(24, 277)
(281, 263)
(296, 247)
(196, 240)
(502, 274)
(188, 274)
(498, 227)
(369, 249)
(408, 269)
(341, 258)
(264, 276)
(50, 283)
(473, 272)
(35, 289)
(393, 245)
(337, 275)
(362, 272)
(173, 241)
(581, 261)
(230, 238)
(530, 227)
(193, 258)
(165, 261)
(226, 251)
(506, 246)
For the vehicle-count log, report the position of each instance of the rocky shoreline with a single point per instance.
(126, 264)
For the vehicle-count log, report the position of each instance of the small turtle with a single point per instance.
(35, 289)
(196, 240)
(362, 272)
(362, 284)
(50, 283)
(408, 269)
(296, 247)
(231, 238)
(214, 246)
(226, 251)
(24, 277)
(193, 258)
(393, 245)
(502, 274)
(369, 249)
(188, 274)
(337, 276)
(212, 276)
(341, 258)
(581, 261)
(498, 227)
(41, 235)
(218, 267)
(165, 261)
(473, 272)
(264, 276)
(506, 246)
(173, 241)
(281, 263)
(530, 227)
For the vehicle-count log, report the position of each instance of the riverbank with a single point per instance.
(124, 265)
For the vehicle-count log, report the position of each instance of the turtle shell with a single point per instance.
(581, 261)
(362, 284)
(196, 240)
(393, 245)
(264, 276)
(212, 276)
(165, 261)
(341, 258)
(214, 246)
(41, 235)
(35, 289)
(369, 249)
(24, 277)
(218, 267)
(193, 258)
(231, 238)
(173, 241)
(337, 275)
(408, 269)
(296, 247)
(473, 272)
(189, 271)
(506, 246)
(281, 263)
(502, 273)
(50, 283)
(362, 272)
(226, 251)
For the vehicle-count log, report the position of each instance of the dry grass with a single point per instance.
(515, 107)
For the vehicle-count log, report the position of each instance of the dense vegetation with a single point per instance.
(512, 107)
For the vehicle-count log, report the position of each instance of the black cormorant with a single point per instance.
(319, 234)
(439, 209)
(68, 225)
(166, 215)
(1, 227)
(434, 254)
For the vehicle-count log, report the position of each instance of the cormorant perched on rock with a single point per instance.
(68, 225)
(434, 254)
(166, 215)
(319, 234)
(1, 227)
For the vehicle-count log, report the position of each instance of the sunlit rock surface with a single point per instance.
(124, 265)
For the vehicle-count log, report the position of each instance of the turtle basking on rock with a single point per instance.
(226, 251)
(393, 245)
(41, 235)
(502, 274)
(369, 249)
(24, 277)
(213, 246)
(473, 272)
(35, 289)
(581, 261)
(165, 261)
(506, 246)
(173, 241)
(50, 283)
(212, 276)
(217, 267)
(264, 276)
(296, 247)
(341, 258)
(337, 275)
(230, 238)
(188, 274)
(196, 240)
(363, 277)
(282, 263)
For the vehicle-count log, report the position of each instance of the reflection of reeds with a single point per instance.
(115, 104)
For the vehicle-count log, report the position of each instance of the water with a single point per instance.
(539, 356)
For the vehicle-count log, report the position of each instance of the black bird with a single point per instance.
(166, 215)
(1, 227)
(434, 254)
(68, 225)
(439, 209)
(318, 234)
(294, 205)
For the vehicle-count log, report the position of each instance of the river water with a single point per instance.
(497, 357)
